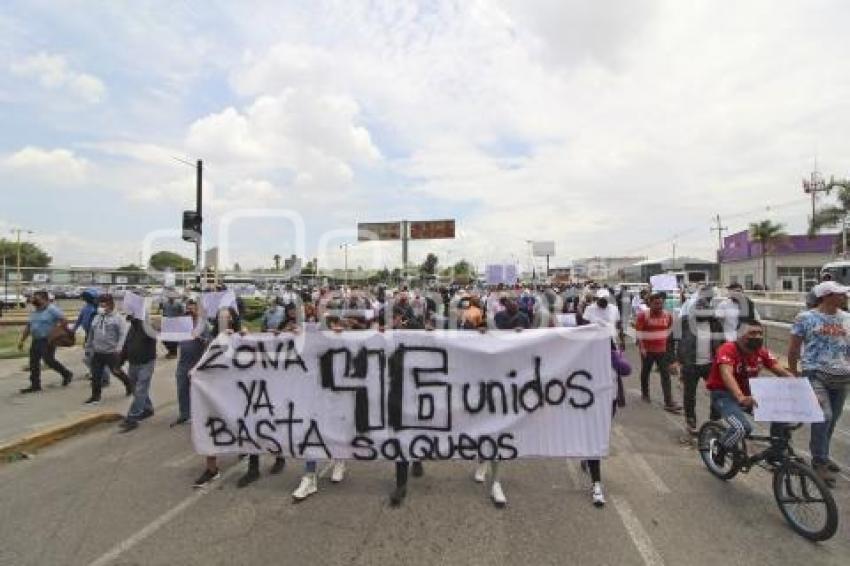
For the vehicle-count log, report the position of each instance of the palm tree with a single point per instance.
(834, 215)
(767, 234)
(276, 262)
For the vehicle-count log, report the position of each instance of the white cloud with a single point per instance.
(316, 136)
(53, 166)
(54, 72)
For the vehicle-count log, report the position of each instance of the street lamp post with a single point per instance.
(17, 232)
(345, 247)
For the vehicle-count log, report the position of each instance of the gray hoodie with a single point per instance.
(105, 335)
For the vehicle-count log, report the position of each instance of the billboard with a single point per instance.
(432, 229)
(504, 274)
(367, 231)
(542, 249)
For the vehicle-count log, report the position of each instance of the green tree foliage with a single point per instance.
(429, 266)
(309, 268)
(31, 254)
(768, 234)
(163, 260)
(834, 215)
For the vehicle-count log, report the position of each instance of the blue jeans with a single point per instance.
(739, 424)
(183, 398)
(831, 399)
(141, 375)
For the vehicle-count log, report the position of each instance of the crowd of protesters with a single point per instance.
(703, 337)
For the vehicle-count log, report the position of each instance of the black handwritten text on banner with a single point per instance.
(406, 395)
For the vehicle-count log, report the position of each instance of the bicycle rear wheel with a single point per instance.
(805, 501)
(715, 458)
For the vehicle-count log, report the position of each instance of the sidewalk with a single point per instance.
(24, 415)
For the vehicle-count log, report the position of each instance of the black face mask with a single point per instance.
(602, 303)
(754, 344)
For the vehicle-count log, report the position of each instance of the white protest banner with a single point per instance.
(663, 282)
(176, 328)
(134, 305)
(567, 320)
(214, 301)
(785, 400)
(402, 395)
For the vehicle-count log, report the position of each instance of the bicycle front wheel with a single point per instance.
(715, 458)
(805, 501)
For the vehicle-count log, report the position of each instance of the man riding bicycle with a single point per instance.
(734, 365)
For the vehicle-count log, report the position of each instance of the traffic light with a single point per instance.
(191, 226)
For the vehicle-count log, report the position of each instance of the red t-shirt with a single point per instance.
(744, 366)
(653, 330)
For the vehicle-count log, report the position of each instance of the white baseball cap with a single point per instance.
(602, 294)
(829, 288)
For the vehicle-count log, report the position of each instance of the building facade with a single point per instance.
(693, 270)
(792, 264)
(602, 269)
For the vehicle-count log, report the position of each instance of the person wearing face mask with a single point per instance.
(735, 364)
(42, 320)
(822, 334)
(735, 309)
(603, 312)
(701, 336)
(654, 334)
(105, 345)
(190, 352)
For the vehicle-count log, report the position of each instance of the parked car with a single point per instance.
(13, 300)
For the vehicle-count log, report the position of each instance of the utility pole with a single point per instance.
(404, 242)
(720, 228)
(17, 232)
(199, 201)
(345, 247)
(814, 185)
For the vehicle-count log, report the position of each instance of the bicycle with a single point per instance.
(803, 498)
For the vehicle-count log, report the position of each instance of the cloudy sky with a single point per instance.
(610, 127)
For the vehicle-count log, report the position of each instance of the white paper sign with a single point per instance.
(213, 302)
(663, 282)
(176, 328)
(406, 394)
(134, 305)
(567, 320)
(785, 400)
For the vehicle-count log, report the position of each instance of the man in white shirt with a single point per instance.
(603, 312)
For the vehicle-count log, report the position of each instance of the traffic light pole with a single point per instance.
(199, 174)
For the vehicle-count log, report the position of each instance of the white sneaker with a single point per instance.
(338, 472)
(307, 488)
(598, 495)
(481, 472)
(497, 495)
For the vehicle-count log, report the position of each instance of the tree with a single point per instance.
(309, 268)
(768, 235)
(131, 268)
(31, 254)
(164, 260)
(429, 266)
(237, 268)
(462, 268)
(276, 262)
(833, 215)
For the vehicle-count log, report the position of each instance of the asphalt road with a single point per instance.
(110, 498)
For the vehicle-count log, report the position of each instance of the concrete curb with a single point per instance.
(55, 433)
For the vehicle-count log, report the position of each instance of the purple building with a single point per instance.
(793, 264)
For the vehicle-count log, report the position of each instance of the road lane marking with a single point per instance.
(641, 462)
(157, 523)
(638, 534)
